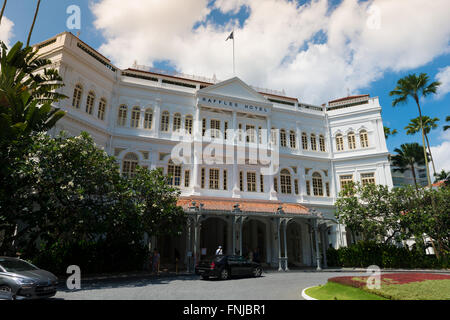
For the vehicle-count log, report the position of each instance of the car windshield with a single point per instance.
(11, 265)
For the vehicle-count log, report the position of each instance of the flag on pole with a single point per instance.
(231, 36)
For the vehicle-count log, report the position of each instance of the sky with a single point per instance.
(315, 50)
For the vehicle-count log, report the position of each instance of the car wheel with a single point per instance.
(224, 275)
(257, 272)
(5, 288)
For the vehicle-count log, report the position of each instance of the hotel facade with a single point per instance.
(255, 168)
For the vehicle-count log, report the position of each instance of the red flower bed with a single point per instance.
(389, 278)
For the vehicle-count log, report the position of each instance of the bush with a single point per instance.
(92, 257)
(366, 253)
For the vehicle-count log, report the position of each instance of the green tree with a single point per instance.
(370, 210)
(415, 86)
(446, 127)
(388, 132)
(443, 175)
(408, 156)
(428, 124)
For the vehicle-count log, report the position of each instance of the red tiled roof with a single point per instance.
(246, 205)
(438, 183)
(349, 98)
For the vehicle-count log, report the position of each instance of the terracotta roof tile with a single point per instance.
(349, 98)
(246, 205)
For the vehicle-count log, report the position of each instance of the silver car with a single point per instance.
(22, 280)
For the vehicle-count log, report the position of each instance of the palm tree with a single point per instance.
(447, 126)
(408, 156)
(388, 132)
(34, 20)
(415, 86)
(428, 124)
(3, 10)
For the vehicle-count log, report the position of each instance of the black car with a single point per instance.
(224, 267)
(20, 279)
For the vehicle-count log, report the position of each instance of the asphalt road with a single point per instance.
(271, 286)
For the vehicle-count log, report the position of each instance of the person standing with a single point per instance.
(155, 261)
(219, 251)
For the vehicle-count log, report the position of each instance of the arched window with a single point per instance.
(77, 92)
(176, 122)
(129, 163)
(135, 117)
(363, 137)
(283, 138)
(322, 143)
(285, 181)
(122, 116)
(174, 174)
(148, 118)
(313, 142)
(339, 142)
(304, 141)
(351, 140)
(317, 184)
(101, 109)
(292, 139)
(90, 102)
(188, 124)
(165, 121)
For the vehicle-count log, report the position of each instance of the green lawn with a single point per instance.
(336, 291)
(423, 290)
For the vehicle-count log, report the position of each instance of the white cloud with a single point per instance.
(6, 32)
(277, 47)
(443, 76)
(440, 153)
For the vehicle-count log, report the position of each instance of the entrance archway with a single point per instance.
(213, 233)
(254, 237)
(294, 244)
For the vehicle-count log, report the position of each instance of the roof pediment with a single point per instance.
(234, 88)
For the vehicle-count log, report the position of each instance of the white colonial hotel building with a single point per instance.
(139, 116)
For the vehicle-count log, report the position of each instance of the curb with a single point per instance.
(132, 275)
(305, 296)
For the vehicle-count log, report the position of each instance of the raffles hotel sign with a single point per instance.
(229, 104)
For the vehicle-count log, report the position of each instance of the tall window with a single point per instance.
(339, 142)
(259, 135)
(187, 175)
(129, 163)
(346, 180)
(174, 174)
(77, 92)
(241, 181)
(225, 180)
(322, 143)
(261, 183)
(313, 142)
(203, 126)
(188, 124)
(122, 116)
(225, 129)
(165, 121)
(367, 178)
(317, 184)
(296, 186)
(214, 179)
(148, 119)
(351, 141)
(101, 109)
(250, 133)
(251, 181)
(304, 141)
(176, 122)
(90, 102)
(215, 128)
(285, 181)
(135, 117)
(275, 184)
(363, 137)
(240, 131)
(273, 136)
(308, 187)
(283, 138)
(202, 181)
(292, 139)
(327, 188)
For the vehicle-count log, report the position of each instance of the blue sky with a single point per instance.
(216, 22)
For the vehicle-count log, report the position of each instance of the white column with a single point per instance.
(240, 236)
(317, 245)
(279, 245)
(157, 119)
(285, 247)
(235, 166)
